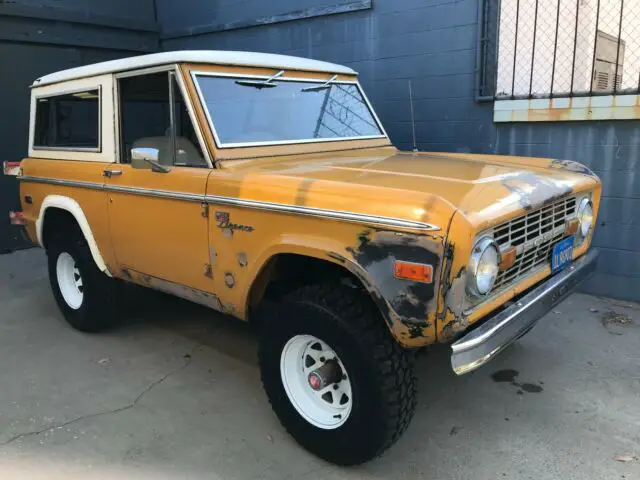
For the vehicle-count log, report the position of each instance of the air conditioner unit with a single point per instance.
(609, 49)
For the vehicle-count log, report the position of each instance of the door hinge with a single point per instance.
(205, 209)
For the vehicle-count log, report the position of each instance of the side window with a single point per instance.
(146, 121)
(70, 121)
(188, 151)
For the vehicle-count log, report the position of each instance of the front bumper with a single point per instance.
(483, 343)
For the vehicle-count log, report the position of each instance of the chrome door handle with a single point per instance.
(111, 173)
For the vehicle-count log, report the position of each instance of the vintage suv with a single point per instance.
(265, 187)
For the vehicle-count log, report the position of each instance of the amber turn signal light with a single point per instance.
(507, 258)
(417, 272)
(572, 227)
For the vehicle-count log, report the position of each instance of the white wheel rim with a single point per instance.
(327, 408)
(69, 280)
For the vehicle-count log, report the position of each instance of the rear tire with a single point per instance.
(376, 373)
(87, 298)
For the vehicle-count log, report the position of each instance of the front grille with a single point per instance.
(533, 235)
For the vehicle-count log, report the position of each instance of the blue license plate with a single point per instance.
(562, 254)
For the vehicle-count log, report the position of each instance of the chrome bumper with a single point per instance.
(483, 343)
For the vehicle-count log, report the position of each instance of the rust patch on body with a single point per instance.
(454, 296)
(198, 296)
(213, 256)
(417, 331)
(207, 271)
(533, 190)
(571, 166)
(407, 301)
(451, 330)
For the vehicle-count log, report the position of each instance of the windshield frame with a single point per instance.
(194, 77)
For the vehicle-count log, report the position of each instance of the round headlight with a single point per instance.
(483, 267)
(585, 219)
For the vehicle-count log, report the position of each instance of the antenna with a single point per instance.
(413, 121)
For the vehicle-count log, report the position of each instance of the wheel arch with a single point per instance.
(306, 266)
(61, 203)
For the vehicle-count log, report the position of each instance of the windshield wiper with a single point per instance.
(324, 86)
(260, 84)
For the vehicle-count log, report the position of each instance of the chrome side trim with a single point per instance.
(62, 183)
(484, 342)
(319, 212)
(237, 202)
(148, 192)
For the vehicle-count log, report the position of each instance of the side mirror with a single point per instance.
(147, 158)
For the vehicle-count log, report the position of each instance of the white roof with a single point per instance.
(218, 57)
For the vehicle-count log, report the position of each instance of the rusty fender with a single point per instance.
(409, 307)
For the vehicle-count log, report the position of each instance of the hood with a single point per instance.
(485, 189)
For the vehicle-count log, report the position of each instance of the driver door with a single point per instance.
(156, 192)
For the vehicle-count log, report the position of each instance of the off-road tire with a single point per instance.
(99, 308)
(381, 372)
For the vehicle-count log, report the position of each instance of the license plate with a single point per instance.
(562, 254)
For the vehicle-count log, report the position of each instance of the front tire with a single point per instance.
(370, 398)
(87, 298)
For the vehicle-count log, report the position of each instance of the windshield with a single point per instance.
(274, 111)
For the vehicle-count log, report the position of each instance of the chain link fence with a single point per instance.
(558, 48)
(488, 49)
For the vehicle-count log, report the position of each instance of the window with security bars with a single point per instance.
(559, 48)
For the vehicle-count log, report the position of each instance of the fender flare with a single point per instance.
(71, 206)
(320, 249)
(410, 327)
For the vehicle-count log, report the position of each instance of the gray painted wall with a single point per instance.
(40, 37)
(433, 44)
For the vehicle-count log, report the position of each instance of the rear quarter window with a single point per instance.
(69, 121)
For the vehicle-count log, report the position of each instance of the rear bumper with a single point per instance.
(483, 343)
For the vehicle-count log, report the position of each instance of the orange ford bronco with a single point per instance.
(265, 187)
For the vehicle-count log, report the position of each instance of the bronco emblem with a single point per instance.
(223, 222)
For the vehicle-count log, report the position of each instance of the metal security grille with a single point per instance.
(533, 235)
(559, 48)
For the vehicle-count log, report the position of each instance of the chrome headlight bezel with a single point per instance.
(479, 249)
(585, 205)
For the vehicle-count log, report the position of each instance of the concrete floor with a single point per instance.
(175, 393)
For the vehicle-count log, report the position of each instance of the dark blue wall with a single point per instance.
(43, 36)
(196, 13)
(430, 42)
(136, 9)
(433, 43)
(612, 150)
